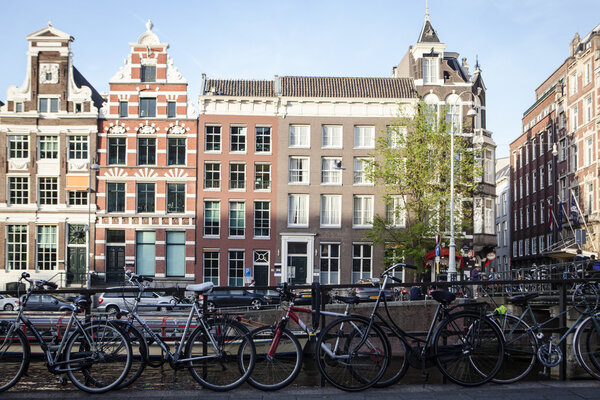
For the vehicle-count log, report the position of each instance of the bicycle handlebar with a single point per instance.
(398, 266)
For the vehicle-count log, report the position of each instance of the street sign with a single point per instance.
(247, 272)
(437, 239)
(491, 256)
(438, 251)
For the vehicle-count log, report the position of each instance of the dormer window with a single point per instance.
(147, 107)
(430, 70)
(48, 105)
(148, 73)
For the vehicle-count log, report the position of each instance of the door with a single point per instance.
(115, 264)
(76, 265)
(297, 261)
(261, 275)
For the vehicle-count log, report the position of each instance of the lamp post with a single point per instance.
(452, 246)
(93, 167)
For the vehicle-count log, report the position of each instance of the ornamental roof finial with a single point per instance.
(149, 25)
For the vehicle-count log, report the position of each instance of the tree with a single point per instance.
(411, 165)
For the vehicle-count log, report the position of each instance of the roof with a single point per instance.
(428, 34)
(80, 81)
(239, 87)
(455, 65)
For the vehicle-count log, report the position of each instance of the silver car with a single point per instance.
(124, 301)
(8, 303)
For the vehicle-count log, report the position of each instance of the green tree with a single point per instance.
(411, 166)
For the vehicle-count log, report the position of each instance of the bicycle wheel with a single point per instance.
(468, 349)
(351, 356)
(276, 371)
(520, 349)
(398, 362)
(587, 345)
(225, 366)
(586, 298)
(98, 359)
(14, 355)
(139, 349)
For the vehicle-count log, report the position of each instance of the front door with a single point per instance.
(76, 265)
(261, 275)
(297, 262)
(115, 264)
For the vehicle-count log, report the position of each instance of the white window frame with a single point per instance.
(395, 211)
(298, 211)
(364, 137)
(362, 211)
(299, 137)
(331, 211)
(332, 137)
(331, 174)
(359, 177)
(299, 170)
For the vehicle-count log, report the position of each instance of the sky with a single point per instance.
(519, 43)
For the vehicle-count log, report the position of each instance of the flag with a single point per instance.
(560, 216)
(574, 210)
(549, 217)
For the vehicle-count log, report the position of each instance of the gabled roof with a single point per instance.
(309, 86)
(428, 34)
(49, 33)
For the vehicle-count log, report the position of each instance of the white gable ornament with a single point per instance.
(147, 129)
(117, 129)
(177, 130)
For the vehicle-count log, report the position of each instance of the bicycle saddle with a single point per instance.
(80, 301)
(443, 296)
(205, 287)
(348, 299)
(522, 298)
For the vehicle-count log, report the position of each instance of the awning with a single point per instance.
(565, 253)
(77, 182)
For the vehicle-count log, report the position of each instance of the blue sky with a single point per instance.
(518, 42)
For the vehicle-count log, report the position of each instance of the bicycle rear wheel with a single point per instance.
(469, 349)
(587, 345)
(520, 349)
(139, 349)
(227, 365)
(99, 359)
(351, 356)
(14, 355)
(281, 368)
(398, 362)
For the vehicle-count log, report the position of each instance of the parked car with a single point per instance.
(271, 295)
(8, 303)
(125, 300)
(370, 293)
(46, 302)
(220, 298)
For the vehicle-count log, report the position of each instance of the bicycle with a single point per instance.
(522, 342)
(466, 345)
(96, 356)
(218, 353)
(348, 359)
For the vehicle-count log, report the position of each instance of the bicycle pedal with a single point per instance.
(544, 372)
(62, 380)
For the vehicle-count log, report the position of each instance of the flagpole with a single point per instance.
(584, 223)
(554, 221)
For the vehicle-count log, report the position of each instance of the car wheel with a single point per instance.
(256, 304)
(8, 307)
(210, 306)
(112, 309)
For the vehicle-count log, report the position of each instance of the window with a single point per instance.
(521, 218)
(505, 233)
(78, 147)
(521, 188)
(147, 107)
(236, 267)
(213, 138)
(145, 197)
(48, 190)
(575, 117)
(300, 136)
(527, 185)
(330, 263)
(117, 151)
(534, 181)
(238, 139)
(521, 248)
(549, 174)
(516, 222)
(534, 245)
(262, 176)
(499, 235)
(395, 212)
(175, 253)
(237, 214)
(572, 84)
(237, 176)
(115, 197)
(489, 217)
(589, 151)
(47, 247)
(541, 177)
(587, 73)
(361, 261)
(541, 243)
(515, 249)
(332, 137)
(331, 211)
(48, 104)
(331, 173)
(397, 135)
(489, 175)
(18, 146)
(19, 107)
(298, 210)
(527, 217)
(148, 73)
(210, 261)
(18, 188)
(145, 253)
(526, 155)
(175, 197)
(78, 108)
(262, 219)
(171, 109)
(363, 211)
(16, 247)
(590, 198)
(430, 70)
(527, 246)
(123, 109)
(542, 211)
(589, 110)
(364, 137)
(48, 147)
(299, 171)
(212, 217)
(533, 152)
(549, 241)
(176, 151)
(360, 168)
(563, 189)
(541, 144)
(78, 198)
(212, 175)
(534, 215)
(146, 151)
(263, 139)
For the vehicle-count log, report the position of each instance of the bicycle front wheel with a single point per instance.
(468, 349)
(14, 355)
(587, 345)
(520, 349)
(351, 356)
(98, 358)
(398, 362)
(224, 358)
(139, 349)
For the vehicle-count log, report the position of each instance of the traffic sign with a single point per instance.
(438, 251)
(247, 272)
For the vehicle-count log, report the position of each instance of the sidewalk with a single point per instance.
(546, 390)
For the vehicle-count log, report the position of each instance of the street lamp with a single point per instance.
(93, 167)
(452, 246)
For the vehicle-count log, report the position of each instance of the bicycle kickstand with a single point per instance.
(544, 372)
(62, 379)
(174, 378)
(424, 372)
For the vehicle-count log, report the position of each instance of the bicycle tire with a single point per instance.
(280, 369)
(99, 366)
(520, 349)
(586, 298)
(589, 333)
(398, 362)
(468, 348)
(15, 354)
(231, 365)
(346, 363)
(139, 352)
